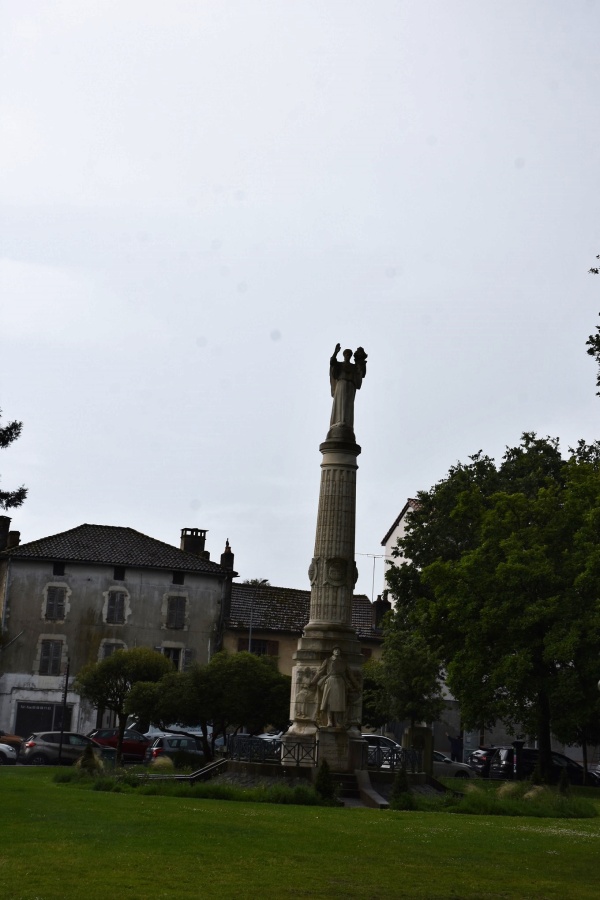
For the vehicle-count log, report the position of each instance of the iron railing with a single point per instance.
(253, 749)
(392, 759)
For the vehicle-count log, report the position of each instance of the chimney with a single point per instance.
(380, 607)
(14, 539)
(193, 541)
(4, 526)
(227, 556)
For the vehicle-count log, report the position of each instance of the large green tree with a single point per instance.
(499, 572)
(234, 691)
(9, 433)
(107, 684)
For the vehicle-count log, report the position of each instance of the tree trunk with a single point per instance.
(544, 737)
(585, 760)
(122, 717)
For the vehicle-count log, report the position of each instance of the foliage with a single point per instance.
(9, 433)
(89, 762)
(107, 684)
(375, 712)
(499, 574)
(325, 786)
(410, 673)
(232, 691)
(401, 797)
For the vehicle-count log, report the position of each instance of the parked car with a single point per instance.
(42, 748)
(444, 767)
(8, 755)
(13, 740)
(382, 752)
(480, 759)
(172, 744)
(134, 744)
(503, 765)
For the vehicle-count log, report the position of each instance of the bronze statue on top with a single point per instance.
(346, 378)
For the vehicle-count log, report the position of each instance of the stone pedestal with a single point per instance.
(326, 697)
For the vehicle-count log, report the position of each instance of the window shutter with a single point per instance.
(176, 612)
(55, 602)
(188, 658)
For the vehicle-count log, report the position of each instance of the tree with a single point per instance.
(501, 577)
(411, 674)
(375, 712)
(232, 691)
(107, 684)
(8, 434)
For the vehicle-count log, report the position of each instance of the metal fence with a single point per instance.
(392, 759)
(253, 749)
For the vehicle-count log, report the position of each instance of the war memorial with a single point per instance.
(326, 694)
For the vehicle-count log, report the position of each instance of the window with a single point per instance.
(115, 610)
(50, 657)
(55, 602)
(367, 653)
(174, 654)
(109, 648)
(119, 573)
(58, 568)
(178, 577)
(259, 646)
(176, 612)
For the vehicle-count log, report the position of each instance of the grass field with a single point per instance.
(62, 841)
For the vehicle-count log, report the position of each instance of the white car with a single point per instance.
(443, 767)
(8, 755)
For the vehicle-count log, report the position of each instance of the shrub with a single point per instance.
(564, 785)
(89, 762)
(401, 797)
(325, 785)
(162, 762)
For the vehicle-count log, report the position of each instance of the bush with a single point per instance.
(401, 797)
(325, 785)
(89, 762)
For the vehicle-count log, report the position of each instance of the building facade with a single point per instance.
(268, 620)
(75, 598)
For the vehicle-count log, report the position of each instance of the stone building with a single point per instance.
(269, 620)
(76, 597)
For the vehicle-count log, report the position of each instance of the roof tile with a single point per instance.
(112, 545)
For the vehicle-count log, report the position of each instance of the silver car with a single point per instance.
(443, 767)
(42, 748)
(8, 755)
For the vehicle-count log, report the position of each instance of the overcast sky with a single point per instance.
(200, 199)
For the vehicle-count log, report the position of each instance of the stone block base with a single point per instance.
(342, 752)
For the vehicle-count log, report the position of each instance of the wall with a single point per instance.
(84, 628)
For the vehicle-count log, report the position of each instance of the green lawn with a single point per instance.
(63, 841)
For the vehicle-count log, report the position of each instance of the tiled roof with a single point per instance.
(287, 610)
(112, 545)
(410, 504)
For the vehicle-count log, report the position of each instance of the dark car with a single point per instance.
(175, 745)
(480, 760)
(503, 765)
(42, 748)
(134, 744)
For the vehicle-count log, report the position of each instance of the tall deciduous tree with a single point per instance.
(107, 684)
(501, 574)
(9, 433)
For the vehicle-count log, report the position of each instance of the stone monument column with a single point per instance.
(326, 697)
